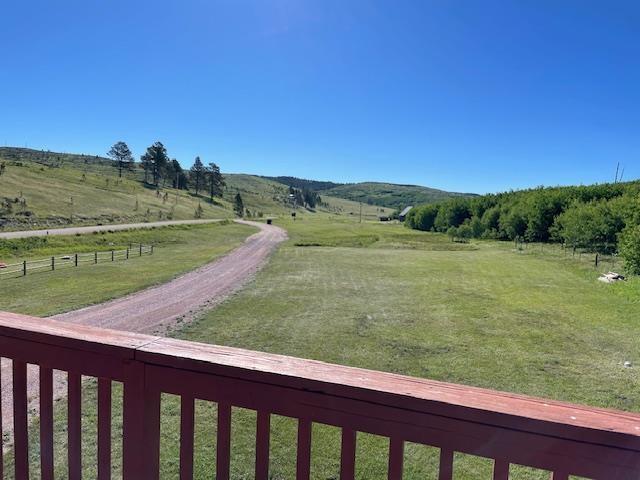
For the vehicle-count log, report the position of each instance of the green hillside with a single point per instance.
(40, 189)
(388, 195)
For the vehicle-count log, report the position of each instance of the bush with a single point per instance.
(630, 248)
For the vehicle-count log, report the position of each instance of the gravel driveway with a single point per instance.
(158, 308)
(99, 228)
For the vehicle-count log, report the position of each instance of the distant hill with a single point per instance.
(388, 195)
(303, 183)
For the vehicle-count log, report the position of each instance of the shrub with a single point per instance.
(630, 248)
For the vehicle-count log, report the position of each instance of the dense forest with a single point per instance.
(600, 218)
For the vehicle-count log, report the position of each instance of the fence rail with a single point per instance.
(56, 262)
(562, 438)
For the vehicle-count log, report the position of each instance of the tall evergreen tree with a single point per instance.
(239, 205)
(122, 156)
(216, 181)
(197, 173)
(155, 159)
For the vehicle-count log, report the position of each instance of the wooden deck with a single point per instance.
(562, 438)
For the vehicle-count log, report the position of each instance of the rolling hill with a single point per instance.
(388, 195)
(41, 188)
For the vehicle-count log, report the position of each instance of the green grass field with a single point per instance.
(177, 249)
(384, 297)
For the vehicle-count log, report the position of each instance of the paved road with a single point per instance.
(100, 228)
(156, 309)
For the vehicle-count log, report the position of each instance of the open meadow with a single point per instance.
(384, 297)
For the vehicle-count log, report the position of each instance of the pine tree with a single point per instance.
(216, 181)
(122, 156)
(239, 205)
(197, 173)
(155, 159)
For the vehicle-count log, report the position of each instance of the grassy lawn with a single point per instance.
(177, 249)
(387, 298)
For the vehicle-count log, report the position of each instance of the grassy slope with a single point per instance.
(178, 249)
(62, 192)
(261, 194)
(56, 192)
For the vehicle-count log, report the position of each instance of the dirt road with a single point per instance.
(100, 228)
(156, 309)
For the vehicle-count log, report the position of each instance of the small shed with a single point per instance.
(404, 212)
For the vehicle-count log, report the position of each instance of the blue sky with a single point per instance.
(464, 95)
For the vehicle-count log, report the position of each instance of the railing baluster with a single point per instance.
(446, 464)
(21, 437)
(263, 426)
(46, 423)
(140, 426)
(74, 422)
(223, 443)
(1, 434)
(303, 463)
(500, 470)
(104, 429)
(187, 417)
(348, 454)
(396, 458)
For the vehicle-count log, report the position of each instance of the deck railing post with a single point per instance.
(141, 426)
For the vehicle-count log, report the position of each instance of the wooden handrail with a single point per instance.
(509, 428)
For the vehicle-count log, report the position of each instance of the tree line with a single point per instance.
(304, 197)
(160, 170)
(602, 218)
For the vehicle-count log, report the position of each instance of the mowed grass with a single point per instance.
(383, 297)
(478, 314)
(177, 249)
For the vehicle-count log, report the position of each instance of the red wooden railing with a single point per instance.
(562, 438)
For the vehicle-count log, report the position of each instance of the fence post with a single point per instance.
(151, 249)
(596, 259)
(76, 259)
(127, 254)
(95, 257)
(112, 256)
(24, 268)
(53, 263)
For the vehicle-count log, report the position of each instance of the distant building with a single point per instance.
(404, 212)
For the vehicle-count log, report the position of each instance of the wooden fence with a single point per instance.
(562, 438)
(58, 262)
